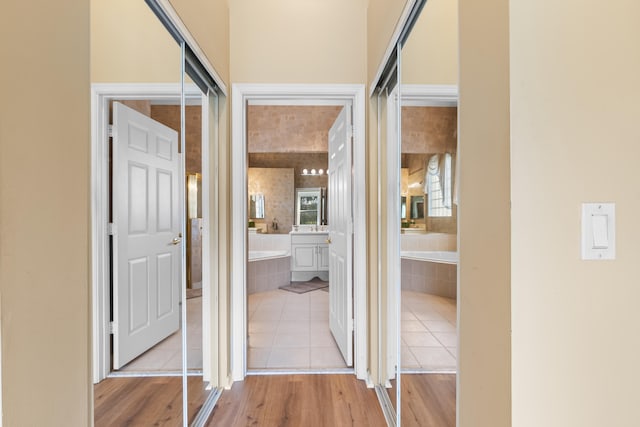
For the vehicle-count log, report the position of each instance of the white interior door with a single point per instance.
(146, 246)
(340, 234)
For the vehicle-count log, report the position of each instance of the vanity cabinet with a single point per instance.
(309, 256)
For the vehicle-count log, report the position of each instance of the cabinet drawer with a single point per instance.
(310, 239)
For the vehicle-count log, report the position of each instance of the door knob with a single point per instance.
(176, 240)
(328, 240)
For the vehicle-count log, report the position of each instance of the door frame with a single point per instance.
(309, 94)
(101, 95)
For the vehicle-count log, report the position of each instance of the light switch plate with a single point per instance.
(598, 231)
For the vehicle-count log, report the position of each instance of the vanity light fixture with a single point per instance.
(314, 172)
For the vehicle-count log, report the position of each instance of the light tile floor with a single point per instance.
(428, 332)
(290, 331)
(167, 355)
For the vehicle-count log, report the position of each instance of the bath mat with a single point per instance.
(303, 287)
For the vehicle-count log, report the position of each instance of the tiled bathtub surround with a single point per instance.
(424, 276)
(429, 277)
(268, 274)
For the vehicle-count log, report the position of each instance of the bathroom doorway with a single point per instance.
(283, 329)
(289, 262)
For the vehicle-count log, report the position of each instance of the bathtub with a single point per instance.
(443, 257)
(431, 272)
(263, 255)
(267, 270)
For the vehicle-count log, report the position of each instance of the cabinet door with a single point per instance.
(323, 257)
(304, 258)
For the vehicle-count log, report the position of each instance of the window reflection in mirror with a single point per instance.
(403, 208)
(439, 184)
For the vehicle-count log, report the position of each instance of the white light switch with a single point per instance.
(598, 231)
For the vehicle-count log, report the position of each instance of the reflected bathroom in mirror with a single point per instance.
(428, 261)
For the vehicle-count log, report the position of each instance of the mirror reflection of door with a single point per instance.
(163, 186)
(147, 248)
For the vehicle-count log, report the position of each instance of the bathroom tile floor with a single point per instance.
(428, 333)
(290, 331)
(167, 355)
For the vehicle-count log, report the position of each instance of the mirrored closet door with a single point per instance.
(154, 150)
(427, 276)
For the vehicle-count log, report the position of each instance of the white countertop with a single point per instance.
(309, 230)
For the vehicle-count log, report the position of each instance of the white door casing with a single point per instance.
(146, 241)
(297, 94)
(392, 154)
(340, 234)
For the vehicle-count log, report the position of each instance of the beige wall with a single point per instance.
(430, 55)
(298, 41)
(208, 23)
(129, 44)
(44, 213)
(382, 19)
(484, 356)
(574, 139)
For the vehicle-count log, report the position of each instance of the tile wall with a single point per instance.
(277, 185)
(280, 128)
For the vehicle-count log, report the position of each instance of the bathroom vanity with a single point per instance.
(309, 255)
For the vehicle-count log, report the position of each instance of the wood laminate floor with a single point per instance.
(275, 400)
(145, 401)
(428, 400)
(298, 400)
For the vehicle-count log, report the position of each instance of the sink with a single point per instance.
(310, 229)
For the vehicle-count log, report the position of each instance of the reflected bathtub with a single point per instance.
(431, 272)
(443, 257)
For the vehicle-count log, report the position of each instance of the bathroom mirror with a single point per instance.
(417, 207)
(308, 206)
(256, 206)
